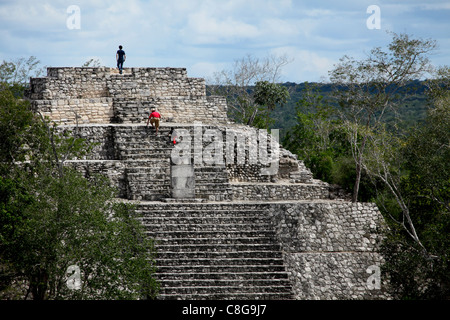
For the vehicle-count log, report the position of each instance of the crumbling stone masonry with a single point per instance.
(242, 228)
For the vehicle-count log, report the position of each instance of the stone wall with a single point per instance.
(100, 95)
(115, 171)
(79, 83)
(328, 247)
(102, 138)
(172, 109)
(66, 111)
(278, 191)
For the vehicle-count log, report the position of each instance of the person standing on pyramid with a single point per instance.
(120, 57)
(154, 118)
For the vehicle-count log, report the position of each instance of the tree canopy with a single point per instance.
(345, 139)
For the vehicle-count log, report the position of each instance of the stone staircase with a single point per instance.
(215, 251)
(148, 183)
(149, 180)
(206, 250)
(148, 169)
(211, 183)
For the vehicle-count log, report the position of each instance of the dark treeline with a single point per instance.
(412, 110)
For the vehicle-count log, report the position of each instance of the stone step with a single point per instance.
(142, 188)
(158, 220)
(250, 282)
(237, 208)
(210, 174)
(149, 177)
(177, 234)
(146, 163)
(143, 156)
(193, 241)
(149, 182)
(148, 170)
(158, 190)
(143, 192)
(208, 227)
(150, 196)
(202, 176)
(212, 180)
(177, 216)
(222, 276)
(150, 151)
(206, 173)
(130, 132)
(239, 261)
(210, 184)
(219, 247)
(228, 296)
(196, 255)
(247, 215)
(145, 140)
(218, 268)
(225, 290)
(213, 195)
(210, 169)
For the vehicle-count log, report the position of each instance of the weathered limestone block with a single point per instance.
(328, 247)
(335, 276)
(168, 89)
(276, 191)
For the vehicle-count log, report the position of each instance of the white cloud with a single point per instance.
(318, 13)
(306, 65)
(32, 15)
(205, 70)
(276, 28)
(436, 6)
(202, 28)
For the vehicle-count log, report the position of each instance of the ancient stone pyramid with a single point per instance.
(234, 215)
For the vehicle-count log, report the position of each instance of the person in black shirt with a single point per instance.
(120, 57)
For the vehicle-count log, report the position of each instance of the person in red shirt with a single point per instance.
(154, 118)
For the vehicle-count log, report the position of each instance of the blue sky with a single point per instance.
(206, 36)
